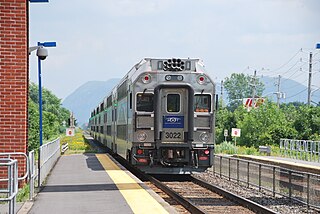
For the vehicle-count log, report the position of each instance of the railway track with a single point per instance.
(197, 196)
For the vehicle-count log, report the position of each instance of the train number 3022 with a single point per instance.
(173, 135)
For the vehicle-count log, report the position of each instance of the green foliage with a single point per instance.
(224, 120)
(265, 125)
(307, 122)
(53, 114)
(275, 150)
(77, 143)
(33, 128)
(238, 87)
(23, 193)
(231, 149)
(226, 148)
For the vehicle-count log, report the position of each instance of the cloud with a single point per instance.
(101, 38)
(129, 8)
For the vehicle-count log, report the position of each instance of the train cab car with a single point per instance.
(161, 117)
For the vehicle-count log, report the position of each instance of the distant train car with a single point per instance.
(160, 117)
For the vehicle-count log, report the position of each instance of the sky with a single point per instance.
(103, 39)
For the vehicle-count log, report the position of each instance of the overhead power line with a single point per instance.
(298, 93)
(300, 50)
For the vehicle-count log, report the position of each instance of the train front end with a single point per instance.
(173, 110)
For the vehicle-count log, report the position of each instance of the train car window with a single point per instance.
(130, 100)
(109, 101)
(122, 91)
(202, 103)
(145, 102)
(173, 102)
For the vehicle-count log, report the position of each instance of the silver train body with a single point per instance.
(160, 117)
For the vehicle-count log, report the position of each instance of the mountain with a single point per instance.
(82, 101)
(293, 91)
(85, 98)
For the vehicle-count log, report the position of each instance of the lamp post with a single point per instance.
(42, 54)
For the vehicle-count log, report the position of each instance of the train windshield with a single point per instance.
(173, 103)
(202, 103)
(145, 102)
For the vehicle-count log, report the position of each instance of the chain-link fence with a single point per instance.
(300, 186)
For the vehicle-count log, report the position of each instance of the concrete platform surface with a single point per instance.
(291, 163)
(82, 184)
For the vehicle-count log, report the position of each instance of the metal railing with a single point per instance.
(300, 149)
(14, 156)
(32, 173)
(11, 188)
(49, 154)
(300, 186)
(64, 148)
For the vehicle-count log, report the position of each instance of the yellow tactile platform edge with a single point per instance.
(139, 200)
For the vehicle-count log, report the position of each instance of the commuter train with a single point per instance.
(160, 117)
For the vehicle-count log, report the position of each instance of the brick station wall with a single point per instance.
(13, 77)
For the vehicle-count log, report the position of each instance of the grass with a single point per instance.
(230, 148)
(77, 144)
(23, 193)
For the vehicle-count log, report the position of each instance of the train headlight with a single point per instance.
(201, 80)
(204, 137)
(146, 78)
(142, 136)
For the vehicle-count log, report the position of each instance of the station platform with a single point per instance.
(290, 163)
(95, 183)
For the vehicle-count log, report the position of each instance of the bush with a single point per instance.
(226, 148)
(230, 148)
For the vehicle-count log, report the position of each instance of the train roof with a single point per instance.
(185, 65)
(158, 64)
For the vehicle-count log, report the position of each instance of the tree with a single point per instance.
(307, 122)
(33, 125)
(264, 126)
(225, 120)
(53, 116)
(238, 86)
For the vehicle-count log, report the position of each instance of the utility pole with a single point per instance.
(310, 77)
(278, 91)
(221, 93)
(254, 88)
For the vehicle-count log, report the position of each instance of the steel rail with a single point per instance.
(187, 204)
(236, 198)
(144, 177)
